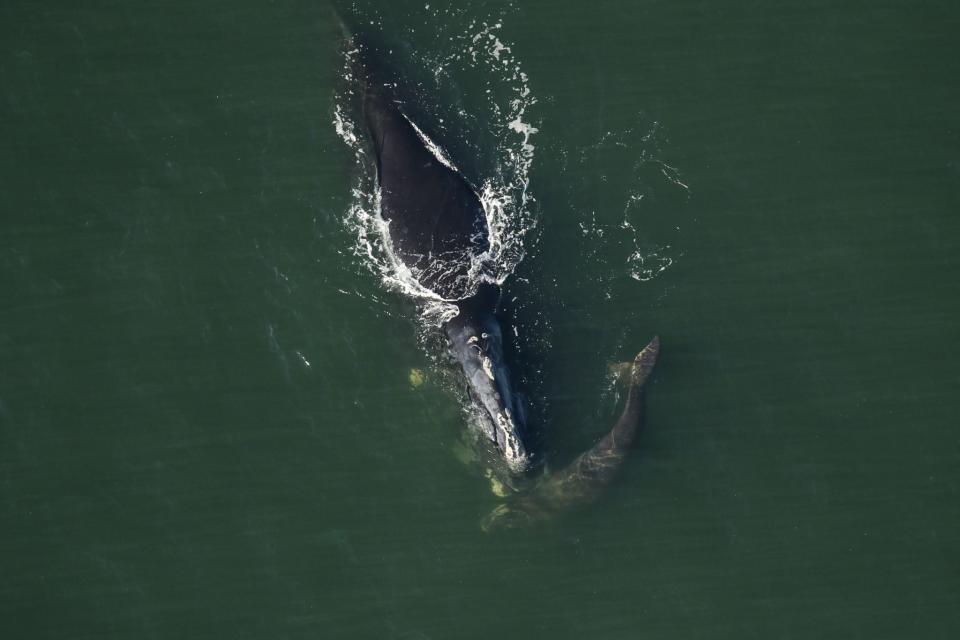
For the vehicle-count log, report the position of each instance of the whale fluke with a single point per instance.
(584, 479)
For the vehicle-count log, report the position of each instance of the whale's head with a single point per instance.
(476, 341)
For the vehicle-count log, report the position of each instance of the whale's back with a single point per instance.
(436, 220)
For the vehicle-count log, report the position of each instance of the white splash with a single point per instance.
(641, 257)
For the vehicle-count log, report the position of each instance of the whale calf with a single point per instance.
(581, 482)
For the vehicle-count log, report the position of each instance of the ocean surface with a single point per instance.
(225, 414)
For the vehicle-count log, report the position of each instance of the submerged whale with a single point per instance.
(438, 230)
(581, 482)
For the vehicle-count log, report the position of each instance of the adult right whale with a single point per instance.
(436, 228)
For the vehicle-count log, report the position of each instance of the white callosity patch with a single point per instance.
(495, 418)
(487, 365)
(512, 449)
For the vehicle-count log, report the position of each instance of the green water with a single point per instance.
(207, 428)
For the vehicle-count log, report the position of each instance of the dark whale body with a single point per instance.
(437, 228)
(437, 223)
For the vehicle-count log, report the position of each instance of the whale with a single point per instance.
(437, 229)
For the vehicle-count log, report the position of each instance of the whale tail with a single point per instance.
(643, 363)
(581, 481)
